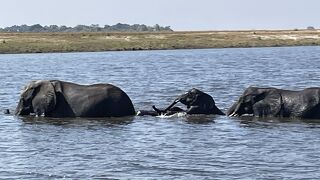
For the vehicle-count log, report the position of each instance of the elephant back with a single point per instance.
(118, 102)
(96, 100)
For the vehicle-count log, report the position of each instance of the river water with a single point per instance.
(193, 147)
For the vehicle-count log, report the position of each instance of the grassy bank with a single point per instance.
(83, 42)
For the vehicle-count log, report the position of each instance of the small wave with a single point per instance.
(180, 114)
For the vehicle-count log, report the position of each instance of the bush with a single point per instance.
(84, 28)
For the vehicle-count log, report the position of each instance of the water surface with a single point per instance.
(194, 147)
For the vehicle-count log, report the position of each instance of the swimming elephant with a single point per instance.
(272, 102)
(54, 98)
(197, 102)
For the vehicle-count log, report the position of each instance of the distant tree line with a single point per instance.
(85, 28)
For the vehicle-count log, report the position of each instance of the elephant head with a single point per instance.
(197, 102)
(257, 102)
(38, 97)
(191, 97)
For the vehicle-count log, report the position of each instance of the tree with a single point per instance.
(85, 28)
(36, 28)
(156, 27)
(310, 28)
(142, 28)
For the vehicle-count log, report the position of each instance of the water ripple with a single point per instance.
(187, 147)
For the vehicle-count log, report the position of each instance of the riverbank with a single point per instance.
(87, 42)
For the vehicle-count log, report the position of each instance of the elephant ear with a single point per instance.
(28, 91)
(45, 98)
(196, 96)
(268, 104)
(56, 85)
(195, 99)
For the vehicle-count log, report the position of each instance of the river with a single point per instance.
(179, 147)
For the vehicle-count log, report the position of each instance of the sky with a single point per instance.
(180, 15)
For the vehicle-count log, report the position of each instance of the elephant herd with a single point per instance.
(55, 98)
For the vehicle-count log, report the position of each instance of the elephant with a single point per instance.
(197, 102)
(273, 102)
(54, 98)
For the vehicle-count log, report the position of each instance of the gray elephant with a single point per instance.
(272, 102)
(54, 98)
(197, 102)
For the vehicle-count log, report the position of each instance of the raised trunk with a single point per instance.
(167, 109)
(171, 105)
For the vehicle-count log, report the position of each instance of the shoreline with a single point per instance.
(19, 43)
(66, 52)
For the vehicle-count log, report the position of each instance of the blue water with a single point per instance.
(193, 147)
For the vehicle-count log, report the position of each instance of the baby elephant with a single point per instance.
(197, 102)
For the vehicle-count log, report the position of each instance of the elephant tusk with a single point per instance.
(233, 115)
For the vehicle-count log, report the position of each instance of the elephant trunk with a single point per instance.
(21, 110)
(167, 109)
(172, 104)
(233, 111)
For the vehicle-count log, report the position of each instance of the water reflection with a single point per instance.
(77, 122)
(200, 119)
(269, 122)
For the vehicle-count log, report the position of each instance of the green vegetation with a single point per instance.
(84, 28)
(103, 41)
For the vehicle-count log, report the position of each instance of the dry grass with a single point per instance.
(83, 42)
